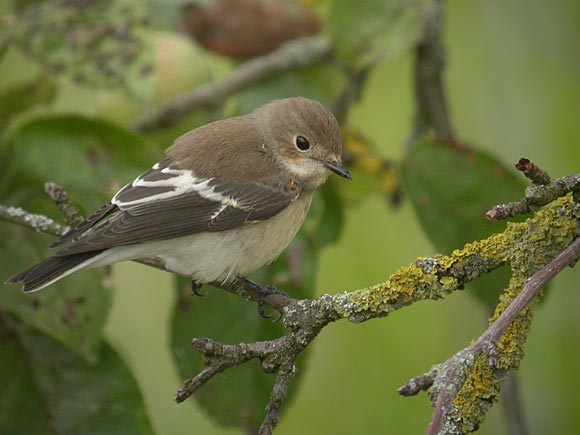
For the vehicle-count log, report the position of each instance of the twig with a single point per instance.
(536, 196)
(430, 100)
(350, 93)
(533, 172)
(453, 372)
(279, 391)
(513, 409)
(414, 386)
(218, 357)
(37, 222)
(70, 213)
(554, 229)
(295, 54)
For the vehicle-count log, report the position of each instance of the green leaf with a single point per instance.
(239, 396)
(100, 44)
(90, 159)
(17, 99)
(72, 311)
(50, 390)
(365, 32)
(451, 188)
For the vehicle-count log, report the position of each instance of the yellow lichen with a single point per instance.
(526, 247)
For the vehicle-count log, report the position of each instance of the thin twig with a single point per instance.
(513, 409)
(37, 222)
(428, 278)
(350, 93)
(59, 196)
(536, 196)
(533, 172)
(417, 384)
(293, 55)
(279, 391)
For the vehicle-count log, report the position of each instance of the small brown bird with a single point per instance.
(229, 198)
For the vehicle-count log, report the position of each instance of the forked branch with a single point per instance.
(538, 249)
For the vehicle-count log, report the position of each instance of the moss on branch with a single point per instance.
(526, 247)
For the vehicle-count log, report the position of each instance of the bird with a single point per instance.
(227, 199)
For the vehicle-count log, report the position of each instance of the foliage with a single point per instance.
(455, 185)
(95, 43)
(52, 390)
(63, 369)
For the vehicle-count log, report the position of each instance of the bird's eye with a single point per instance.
(302, 143)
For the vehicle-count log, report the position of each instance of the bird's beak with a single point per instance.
(337, 168)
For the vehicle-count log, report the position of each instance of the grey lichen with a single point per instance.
(37, 222)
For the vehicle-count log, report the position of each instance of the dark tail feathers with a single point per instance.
(50, 270)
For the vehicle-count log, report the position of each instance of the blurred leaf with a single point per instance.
(372, 173)
(99, 44)
(239, 396)
(16, 99)
(319, 83)
(325, 218)
(83, 155)
(72, 311)
(89, 157)
(50, 390)
(362, 35)
(451, 188)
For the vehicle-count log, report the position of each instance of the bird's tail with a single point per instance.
(51, 270)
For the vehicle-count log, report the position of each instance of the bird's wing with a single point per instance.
(75, 232)
(167, 202)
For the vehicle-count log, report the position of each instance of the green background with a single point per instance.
(514, 85)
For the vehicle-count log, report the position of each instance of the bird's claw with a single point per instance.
(195, 289)
(263, 291)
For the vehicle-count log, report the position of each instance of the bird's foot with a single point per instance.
(263, 291)
(195, 288)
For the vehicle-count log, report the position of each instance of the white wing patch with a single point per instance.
(179, 182)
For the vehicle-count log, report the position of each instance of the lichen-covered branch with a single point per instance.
(496, 351)
(293, 55)
(543, 191)
(37, 222)
(536, 174)
(526, 247)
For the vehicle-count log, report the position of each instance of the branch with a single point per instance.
(451, 375)
(527, 247)
(293, 55)
(513, 409)
(350, 93)
(37, 222)
(458, 381)
(62, 201)
(543, 191)
(431, 103)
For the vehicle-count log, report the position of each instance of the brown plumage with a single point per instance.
(228, 198)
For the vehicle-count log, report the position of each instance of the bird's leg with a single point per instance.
(262, 291)
(195, 287)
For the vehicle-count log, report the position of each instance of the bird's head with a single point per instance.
(305, 139)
